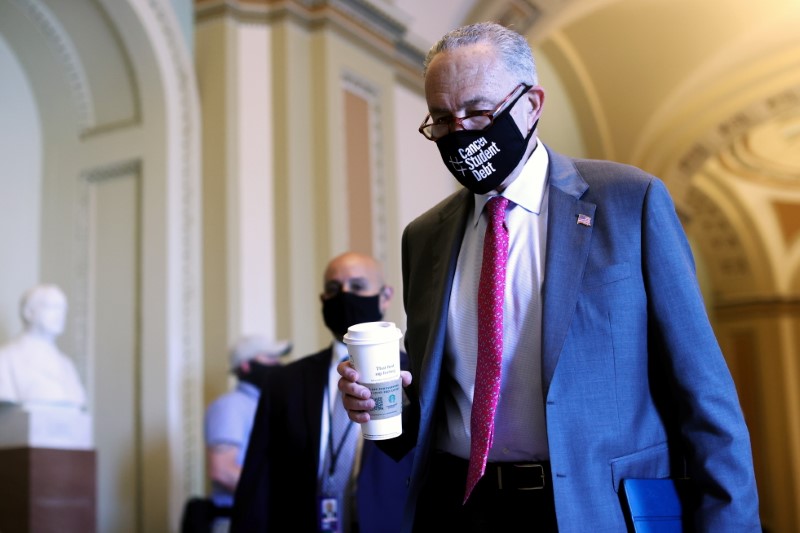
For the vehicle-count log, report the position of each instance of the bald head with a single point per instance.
(361, 271)
(353, 274)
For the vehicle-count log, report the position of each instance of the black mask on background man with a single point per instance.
(482, 159)
(345, 309)
(258, 374)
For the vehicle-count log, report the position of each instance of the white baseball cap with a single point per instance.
(251, 346)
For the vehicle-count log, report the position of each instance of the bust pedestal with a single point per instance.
(49, 470)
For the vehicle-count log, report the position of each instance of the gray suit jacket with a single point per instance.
(634, 382)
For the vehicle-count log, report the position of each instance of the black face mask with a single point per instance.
(482, 159)
(345, 309)
(259, 373)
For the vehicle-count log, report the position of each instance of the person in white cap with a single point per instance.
(229, 418)
(32, 368)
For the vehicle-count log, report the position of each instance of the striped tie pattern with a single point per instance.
(490, 340)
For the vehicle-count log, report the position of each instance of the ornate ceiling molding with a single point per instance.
(379, 26)
(735, 135)
(717, 236)
(521, 15)
(60, 42)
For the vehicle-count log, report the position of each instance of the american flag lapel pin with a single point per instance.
(585, 220)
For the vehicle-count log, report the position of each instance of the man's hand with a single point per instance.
(222, 465)
(355, 397)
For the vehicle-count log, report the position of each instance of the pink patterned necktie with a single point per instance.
(490, 340)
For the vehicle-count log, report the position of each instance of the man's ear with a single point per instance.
(385, 297)
(535, 96)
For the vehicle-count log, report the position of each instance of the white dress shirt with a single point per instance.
(520, 431)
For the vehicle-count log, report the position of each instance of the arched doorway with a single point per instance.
(105, 164)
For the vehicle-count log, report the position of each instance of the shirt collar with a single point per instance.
(527, 190)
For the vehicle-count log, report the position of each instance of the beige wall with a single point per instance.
(101, 144)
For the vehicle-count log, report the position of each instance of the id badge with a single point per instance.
(328, 514)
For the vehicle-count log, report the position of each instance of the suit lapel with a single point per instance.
(316, 382)
(445, 246)
(568, 242)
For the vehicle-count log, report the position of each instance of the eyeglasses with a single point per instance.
(357, 285)
(474, 120)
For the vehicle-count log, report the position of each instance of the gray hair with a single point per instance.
(513, 48)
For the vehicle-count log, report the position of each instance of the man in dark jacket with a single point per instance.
(284, 483)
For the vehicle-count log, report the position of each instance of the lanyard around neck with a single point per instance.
(335, 452)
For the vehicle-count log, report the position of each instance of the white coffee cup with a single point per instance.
(374, 349)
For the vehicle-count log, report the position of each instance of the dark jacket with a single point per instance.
(277, 489)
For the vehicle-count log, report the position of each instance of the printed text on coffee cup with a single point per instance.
(385, 371)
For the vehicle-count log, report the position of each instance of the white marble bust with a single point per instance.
(32, 368)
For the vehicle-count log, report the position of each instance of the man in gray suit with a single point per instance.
(609, 367)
